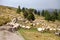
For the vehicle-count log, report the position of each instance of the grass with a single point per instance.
(3, 20)
(33, 34)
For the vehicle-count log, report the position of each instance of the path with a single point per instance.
(7, 35)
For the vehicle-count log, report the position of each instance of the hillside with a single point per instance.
(8, 13)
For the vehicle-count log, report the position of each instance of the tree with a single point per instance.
(18, 9)
(47, 15)
(25, 13)
(38, 13)
(43, 14)
(55, 14)
(35, 11)
(52, 18)
(59, 16)
(23, 9)
(31, 17)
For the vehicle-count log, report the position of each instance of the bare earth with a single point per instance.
(6, 35)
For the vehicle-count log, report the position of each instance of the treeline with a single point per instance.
(49, 16)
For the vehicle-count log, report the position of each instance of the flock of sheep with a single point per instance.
(14, 25)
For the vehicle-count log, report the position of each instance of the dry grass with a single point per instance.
(32, 34)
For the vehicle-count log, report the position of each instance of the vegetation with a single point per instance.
(28, 14)
(32, 34)
(4, 20)
(30, 17)
(18, 10)
(43, 14)
(47, 15)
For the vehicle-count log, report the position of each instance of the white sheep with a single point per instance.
(52, 29)
(37, 23)
(23, 26)
(34, 24)
(20, 25)
(11, 23)
(40, 29)
(16, 25)
(58, 29)
(27, 27)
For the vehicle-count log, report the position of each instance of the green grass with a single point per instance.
(33, 34)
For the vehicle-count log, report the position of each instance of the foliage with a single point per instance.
(23, 9)
(19, 9)
(55, 14)
(31, 17)
(38, 13)
(35, 11)
(25, 14)
(47, 15)
(59, 16)
(43, 14)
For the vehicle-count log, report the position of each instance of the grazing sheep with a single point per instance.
(10, 24)
(52, 29)
(20, 25)
(34, 24)
(37, 23)
(26, 21)
(27, 27)
(40, 29)
(23, 26)
(16, 26)
(58, 29)
(57, 33)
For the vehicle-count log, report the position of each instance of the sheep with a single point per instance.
(10, 24)
(40, 29)
(15, 27)
(20, 25)
(58, 29)
(37, 23)
(34, 24)
(27, 27)
(57, 33)
(23, 26)
(52, 29)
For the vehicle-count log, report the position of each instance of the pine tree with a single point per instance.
(35, 11)
(55, 14)
(31, 17)
(43, 13)
(38, 13)
(19, 9)
(47, 15)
